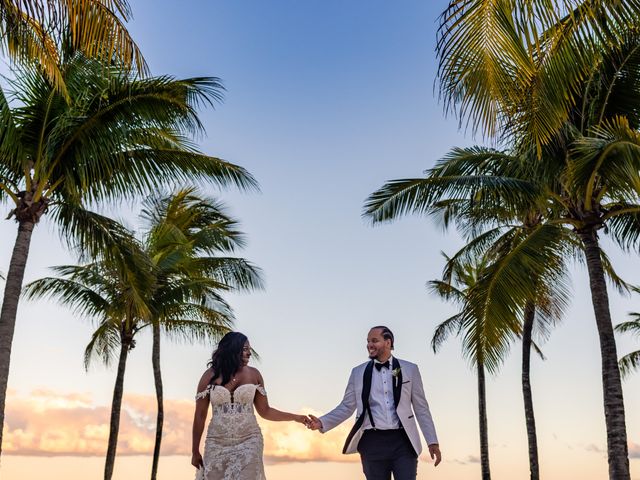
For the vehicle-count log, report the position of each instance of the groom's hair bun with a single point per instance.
(387, 334)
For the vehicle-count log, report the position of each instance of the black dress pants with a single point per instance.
(384, 452)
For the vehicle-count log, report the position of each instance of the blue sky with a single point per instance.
(325, 101)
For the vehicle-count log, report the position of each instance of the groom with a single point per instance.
(383, 391)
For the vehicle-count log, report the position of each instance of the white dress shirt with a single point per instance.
(383, 409)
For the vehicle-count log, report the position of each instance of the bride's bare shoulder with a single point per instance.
(255, 374)
(205, 379)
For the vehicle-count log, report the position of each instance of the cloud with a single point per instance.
(469, 460)
(634, 450)
(47, 423)
(594, 448)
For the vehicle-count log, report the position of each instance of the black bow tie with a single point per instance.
(379, 365)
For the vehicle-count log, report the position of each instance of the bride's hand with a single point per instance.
(196, 459)
(303, 419)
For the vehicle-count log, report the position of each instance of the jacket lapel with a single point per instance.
(397, 382)
(366, 385)
(366, 391)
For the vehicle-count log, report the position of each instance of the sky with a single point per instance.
(325, 101)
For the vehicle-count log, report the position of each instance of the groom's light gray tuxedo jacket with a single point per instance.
(408, 396)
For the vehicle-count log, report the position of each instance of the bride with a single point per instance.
(233, 445)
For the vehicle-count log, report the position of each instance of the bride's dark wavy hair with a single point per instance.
(227, 358)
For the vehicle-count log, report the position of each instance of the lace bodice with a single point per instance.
(234, 445)
(242, 395)
(232, 410)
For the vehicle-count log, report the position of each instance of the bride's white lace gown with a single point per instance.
(234, 445)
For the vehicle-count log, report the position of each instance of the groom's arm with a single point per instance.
(421, 409)
(343, 411)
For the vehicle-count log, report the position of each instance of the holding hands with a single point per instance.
(310, 421)
(303, 419)
(313, 423)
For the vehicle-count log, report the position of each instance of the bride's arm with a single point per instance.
(267, 412)
(199, 418)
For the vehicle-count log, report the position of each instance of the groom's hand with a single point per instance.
(434, 451)
(314, 423)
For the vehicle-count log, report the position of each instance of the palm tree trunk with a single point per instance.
(12, 289)
(157, 375)
(484, 432)
(617, 448)
(527, 328)
(116, 406)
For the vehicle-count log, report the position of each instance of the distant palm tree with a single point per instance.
(32, 31)
(122, 296)
(188, 240)
(113, 293)
(525, 288)
(117, 137)
(480, 345)
(631, 361)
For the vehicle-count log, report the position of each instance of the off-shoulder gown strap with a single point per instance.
(210, 386)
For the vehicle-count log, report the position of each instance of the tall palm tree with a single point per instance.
(631, 361)
(189, 237)
(31, 32)
(117, 137)
(582, 185)
(560, 77)
(479, 345)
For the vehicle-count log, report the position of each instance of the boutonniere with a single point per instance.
(395, 372)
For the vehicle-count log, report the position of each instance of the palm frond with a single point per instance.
(478, 179)
(632, 327)
(95, 27)
(610, 157)
(237, 273)
(480, 54)
(104, 344)
(535, 259)
(444, 330)
(446, 291)
(190, 330)
(629, 363)
(616, 280)
(84, 300)
(91, 234)
(624, 228)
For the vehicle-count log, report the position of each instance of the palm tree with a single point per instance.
(588, 184)
(561, 78)
(113, 293)
(631, 361)
(479, 345)
(117, 137)
(121, 295)
(31, 31)
(188, 239)
(525, 287)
